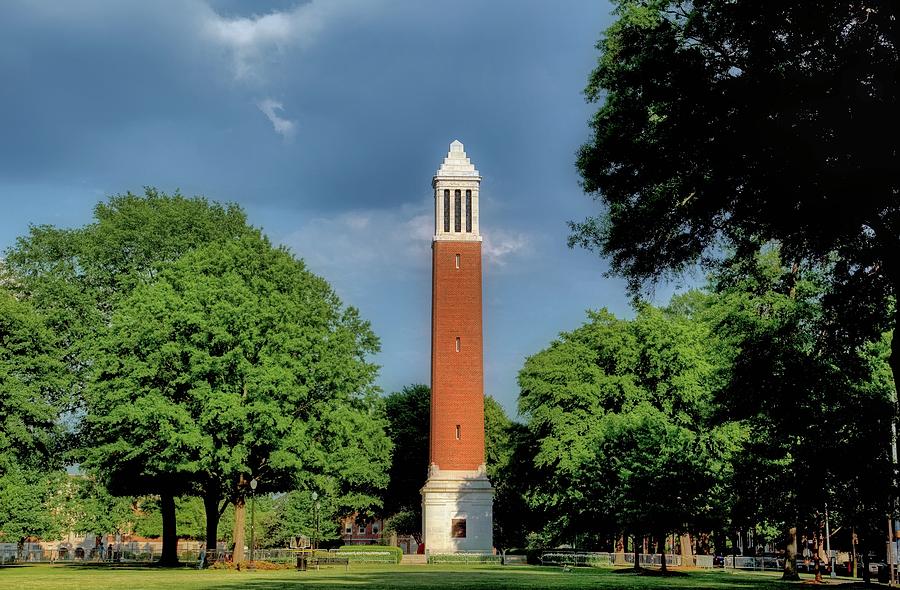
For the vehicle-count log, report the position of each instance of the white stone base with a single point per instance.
(449, 495)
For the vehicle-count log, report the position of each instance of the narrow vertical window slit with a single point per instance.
(447, 210)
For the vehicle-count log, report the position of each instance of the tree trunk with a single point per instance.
(620, 550)
(687, 550)
(211, 506)
(169, 556)
(637, 553)
(662, 552)
(240, 517)
(867, 576)
(894, 360)
(817, 561)
(790, 557)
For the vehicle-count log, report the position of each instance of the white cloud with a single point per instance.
(253, 40)
(500, 245)
(283, 127)
(356, 247)
(365, 242)
(253, 43)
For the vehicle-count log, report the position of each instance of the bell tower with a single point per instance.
(457, 499)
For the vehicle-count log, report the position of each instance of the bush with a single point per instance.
(464, 558)
(257, 564)
(377, 553)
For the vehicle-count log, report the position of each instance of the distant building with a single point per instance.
(361, 531)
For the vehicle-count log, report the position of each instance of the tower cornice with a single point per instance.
(462, 179)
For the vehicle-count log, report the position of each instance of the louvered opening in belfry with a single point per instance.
(447, 210)
(458, 211)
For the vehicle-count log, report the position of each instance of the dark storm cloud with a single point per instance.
(326, 120)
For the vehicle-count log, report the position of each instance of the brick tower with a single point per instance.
(457, 500)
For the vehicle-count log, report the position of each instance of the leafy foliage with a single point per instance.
(408, 413)
(815, 414)
(738, 124)
(237, 363)
(620, 412)
(26, 504)
(32, 387)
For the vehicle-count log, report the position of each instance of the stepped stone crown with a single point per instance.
(457, 163)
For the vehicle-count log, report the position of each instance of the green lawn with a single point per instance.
(68, 577)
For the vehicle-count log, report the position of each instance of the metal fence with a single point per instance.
(8, 556)
(601, 559)
(32, 554)
(752, 563)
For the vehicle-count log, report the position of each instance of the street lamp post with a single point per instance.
(828, 543)
(315, 497)
(253, 484)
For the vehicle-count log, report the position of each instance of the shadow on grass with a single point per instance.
(520, 580)
(144, 576)
(650, 572)
(101, 566)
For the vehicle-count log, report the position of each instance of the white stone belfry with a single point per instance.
(457, 174)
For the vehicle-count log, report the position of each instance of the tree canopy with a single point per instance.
(408, 412)
(621, 412)
(724, 126)
(32, 387)
(236, 363)
(192, 356)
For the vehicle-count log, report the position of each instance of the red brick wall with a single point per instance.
(457, 383)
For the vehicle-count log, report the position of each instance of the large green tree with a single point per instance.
(77, 277)
(739, 123)
(234, 364)
(506, 446)
(817, 416)
(621, 414)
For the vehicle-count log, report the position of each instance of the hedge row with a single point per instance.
(473, 558)
(380, 553)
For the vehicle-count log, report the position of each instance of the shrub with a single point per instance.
(379, 553)
(257, 564)
(464, 558)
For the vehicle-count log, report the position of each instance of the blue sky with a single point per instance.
(325, 120)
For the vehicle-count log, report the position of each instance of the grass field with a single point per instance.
(69, 577)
